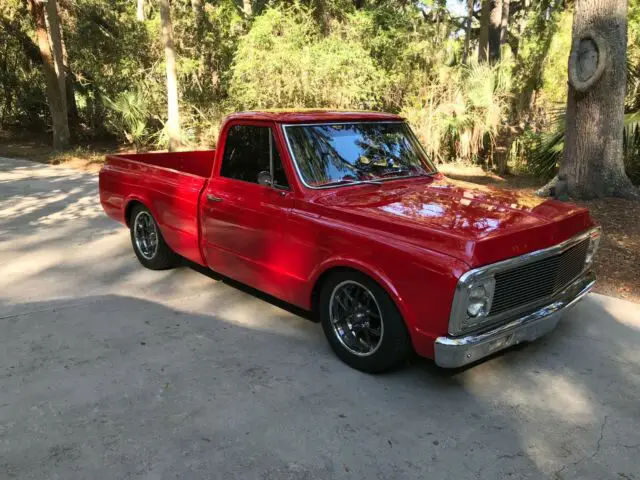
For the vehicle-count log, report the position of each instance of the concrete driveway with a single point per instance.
(110, 371)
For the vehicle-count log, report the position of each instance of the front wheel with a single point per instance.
(148, 243)
(362, 324)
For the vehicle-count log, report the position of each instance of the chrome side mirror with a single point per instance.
(264, 178)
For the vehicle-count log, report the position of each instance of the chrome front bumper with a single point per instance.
(453, 352)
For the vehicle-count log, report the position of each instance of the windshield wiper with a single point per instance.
(410, 172)
(380, 180)
(353, 182)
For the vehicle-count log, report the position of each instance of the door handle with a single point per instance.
(213, 198)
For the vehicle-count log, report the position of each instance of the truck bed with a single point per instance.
(198, 163)
(169, 184)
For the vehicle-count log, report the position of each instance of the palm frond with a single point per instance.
(547, 154)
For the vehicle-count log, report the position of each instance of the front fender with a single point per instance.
(422, 285)
(375, 272)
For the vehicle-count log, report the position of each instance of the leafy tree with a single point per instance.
(285, 61)
(23, 97)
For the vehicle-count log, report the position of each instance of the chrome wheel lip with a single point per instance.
(145, 235)
(338, 329)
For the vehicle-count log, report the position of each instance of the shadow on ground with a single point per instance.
(115, 386)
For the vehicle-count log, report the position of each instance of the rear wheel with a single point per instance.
(362, 323)
(148, 243)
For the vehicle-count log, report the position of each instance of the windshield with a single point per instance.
(333, 154)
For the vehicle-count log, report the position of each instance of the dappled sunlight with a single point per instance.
(104, 263)
(38, 196)
(617, 308)
(27, 206)
(547, 390)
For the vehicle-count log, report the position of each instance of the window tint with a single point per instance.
(246, 154)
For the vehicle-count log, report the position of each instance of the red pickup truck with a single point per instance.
(343, 214)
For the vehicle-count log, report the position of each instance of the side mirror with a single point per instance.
(264, 178)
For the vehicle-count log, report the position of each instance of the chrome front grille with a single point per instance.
(535, 281)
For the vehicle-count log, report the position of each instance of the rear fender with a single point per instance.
(137, 198)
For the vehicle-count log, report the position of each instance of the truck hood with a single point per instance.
(476, 224)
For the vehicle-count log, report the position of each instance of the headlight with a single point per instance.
(594, 242)
(472, 304)
(479, 298)
(477, 301)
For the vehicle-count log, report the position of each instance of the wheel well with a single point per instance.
(128, 209)
(317, 288)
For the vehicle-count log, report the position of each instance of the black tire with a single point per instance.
(393, 346)
(159, 258)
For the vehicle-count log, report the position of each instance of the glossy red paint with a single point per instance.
(312, 116)
(169, 184)
(415, 237)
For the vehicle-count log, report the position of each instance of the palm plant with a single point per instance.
(459, 114)
(131, 119)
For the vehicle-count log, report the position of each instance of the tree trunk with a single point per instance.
(504, 27)
(467, 31)
(173, 120)
(198, 12)
(495, 29)
(140, 10)
(55, 97)
(248, 9)
(593, 156)
(72, 106)
(5, 111)
(441, 6)
(483, 41)
(206, 55)
(55, 38)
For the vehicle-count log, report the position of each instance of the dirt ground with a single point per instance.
(617, 263)
(30, 146)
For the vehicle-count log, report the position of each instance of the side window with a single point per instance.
(246, 153)
(250, 151)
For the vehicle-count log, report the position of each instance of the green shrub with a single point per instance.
(285, 61)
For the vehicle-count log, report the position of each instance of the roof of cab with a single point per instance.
(314, 115)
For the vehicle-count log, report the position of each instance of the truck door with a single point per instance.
(245, 209)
